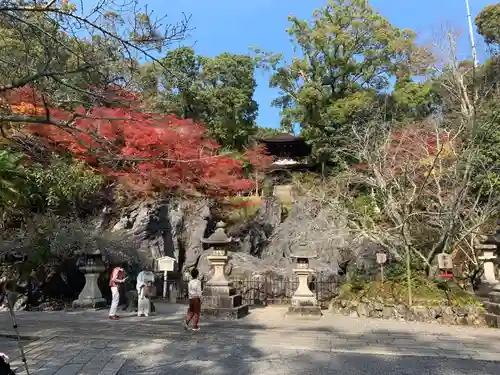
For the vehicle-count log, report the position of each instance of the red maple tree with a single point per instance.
(258, 157)
(415, 147)
(146, 152)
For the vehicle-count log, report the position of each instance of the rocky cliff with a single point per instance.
(175, 228)
(154, 228)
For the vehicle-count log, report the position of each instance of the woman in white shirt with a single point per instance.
(145, 281)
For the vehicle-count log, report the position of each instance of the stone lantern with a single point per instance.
(487, 257)
(491, 249)
(303, 300)
(219, 298)
(91, 266)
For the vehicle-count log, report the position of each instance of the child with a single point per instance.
(194, 291)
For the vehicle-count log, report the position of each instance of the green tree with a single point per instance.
(349, 53)
(218, 91)
(264, 132)
(12, 179)
(180, 82)
(487, 22)
(229, 85)
(70, 53)
(412, 100)
(64, 187)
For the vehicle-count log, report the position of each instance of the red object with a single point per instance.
(145, 152)
(414, 146)
(115, 274)
(258, 157)
(447, 275)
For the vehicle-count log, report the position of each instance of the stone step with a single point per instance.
(492, 308)
(494, 297)
(492, 320)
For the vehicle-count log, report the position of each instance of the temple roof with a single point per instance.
(287, 145)
(283, 137)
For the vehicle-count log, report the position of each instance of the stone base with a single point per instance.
(492, 315)
(89, 303)
(485, 288)
(221, 313)
(225, 302)
(494, 297)
(492, 320)
(492, 308)
(312, 311)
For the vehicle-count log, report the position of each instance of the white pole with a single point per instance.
(471, 34)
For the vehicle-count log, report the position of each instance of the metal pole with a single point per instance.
(165, 285)
(382, 273)
(14, 325)
(471, 35)
(408, 275)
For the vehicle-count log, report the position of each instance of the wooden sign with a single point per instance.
(445, 261)
(381, 258)
(165, 264)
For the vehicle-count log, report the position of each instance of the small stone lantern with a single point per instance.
(220, 299)
(92, 266)
(491, 247)
(488, 257)
(303, 300)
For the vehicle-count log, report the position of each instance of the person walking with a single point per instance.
(117, 277)
(194, 292)
(145, 281)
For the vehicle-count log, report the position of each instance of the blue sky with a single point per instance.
(233, 26)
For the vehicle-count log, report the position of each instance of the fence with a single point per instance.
(263, 290)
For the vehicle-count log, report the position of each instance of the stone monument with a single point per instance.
(92, 266)
(492, 306)
(304, 301)
(488, 279)
(219, 299)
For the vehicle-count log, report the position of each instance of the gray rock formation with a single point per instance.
(172, 227)
(165, 228)
(254, 235)
(175, 228)
(155, 225)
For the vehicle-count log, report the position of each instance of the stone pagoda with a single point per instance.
(219, 299)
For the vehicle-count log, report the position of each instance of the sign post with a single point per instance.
(381, 259)
(165, 264)
(445, 264)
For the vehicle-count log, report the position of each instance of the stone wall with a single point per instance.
(451, 315)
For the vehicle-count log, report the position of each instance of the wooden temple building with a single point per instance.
(288, 151)
(290, 154)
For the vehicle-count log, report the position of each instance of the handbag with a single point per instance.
(149, 290)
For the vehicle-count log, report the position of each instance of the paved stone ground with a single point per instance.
(86, 343)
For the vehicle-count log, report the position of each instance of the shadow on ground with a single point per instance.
(211, 352)
(159, 346)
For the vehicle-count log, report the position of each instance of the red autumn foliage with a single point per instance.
(258, 157)
(118, 96)
(146, 152)
(410, 148)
